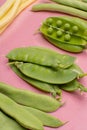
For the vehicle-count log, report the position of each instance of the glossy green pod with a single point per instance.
(50, 88)
(66, 47)
(7, 123)
(18, 113)
(45, 118)
(72, 31)
(46, 74)
(41, 56)
(31, 99)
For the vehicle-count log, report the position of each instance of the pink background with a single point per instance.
(22, 33)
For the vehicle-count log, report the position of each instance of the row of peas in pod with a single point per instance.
(67, 33)
(46, 69)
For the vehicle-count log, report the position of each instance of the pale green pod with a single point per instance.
(7, 123)
(21, 115)
(45, 118)
(31, 99)
(73, 3)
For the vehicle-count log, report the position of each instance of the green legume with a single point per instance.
(60, 8)
(51, 88)
(41, 56)
(31, 99)
(21, 115)
(6, 123)
(73, 3)
(59, 23)
(46, 74)
(67, 37)
(45, 118)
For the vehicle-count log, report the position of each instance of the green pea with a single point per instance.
(21, 115)
(59, 33)
(75, 29)
(67, 26)
(67, 37)
(31, 99)
(46, 74)
(50, 30)
(7, 123)
(59, 23)
(49, 21)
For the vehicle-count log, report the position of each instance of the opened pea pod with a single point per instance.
(67, 33)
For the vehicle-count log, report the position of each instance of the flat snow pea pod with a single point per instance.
(21, 115)
(31, 99)
(51, 88)
(66, 47)
(72, 31)
(41, 56)
(46, 74)
(73, 86)
(60, 8)
(6, 123)
(75, 4)
(45, 118)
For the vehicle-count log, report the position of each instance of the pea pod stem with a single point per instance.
(60, 8)
(73, 3)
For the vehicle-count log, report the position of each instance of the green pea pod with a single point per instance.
(21, 115)
(75, 4)
(31, 99)
(51, 88)
(59, 8)
(65, 30)
(6, 123)
(73, 86)
(41, 56)
(45, 118)
(70, 87)
(46, 74)
(66, 47)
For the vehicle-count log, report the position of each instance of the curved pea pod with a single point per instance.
(66, 47)
(50, 88)
(65, 30)
(73, 86)
(31, 99)
(45, 118)
(21, 115)
(7, 123)
(46, 74)
(41, 56)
